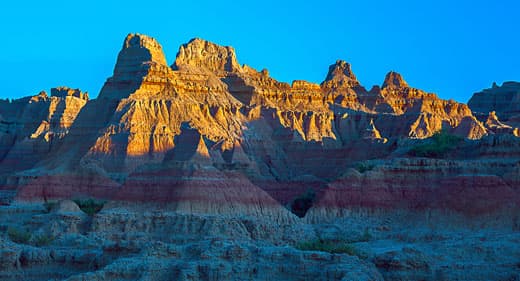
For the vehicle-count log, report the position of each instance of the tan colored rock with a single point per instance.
(141, 65)
(204, 54)
(203, 158)
(208, 112)
(340, 74)
(341, 86)
(498, 127)
(394, 80)
(371, 133)
(64, 92)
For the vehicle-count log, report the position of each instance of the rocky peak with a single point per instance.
(138, 53)
(63, 92)
(145, 45)
(140, 60)
(394, 80)
(341, 71)
(205, 54)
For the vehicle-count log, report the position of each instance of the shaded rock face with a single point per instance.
(32, 126)
(422, 184)
(129, 242)
(140, 65)
(504, 100)
(70, 185)
(372, 133)
(499, 108)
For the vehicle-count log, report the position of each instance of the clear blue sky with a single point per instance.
(453, 48)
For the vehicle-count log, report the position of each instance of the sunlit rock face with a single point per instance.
(206, 116)
(203, 54)
(64, 92)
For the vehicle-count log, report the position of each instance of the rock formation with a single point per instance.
(394, 80)
(223, 157)
(372, 133)
(203, 54)
(243, 117)
(32, 126)
(504, 100)
(241, 120)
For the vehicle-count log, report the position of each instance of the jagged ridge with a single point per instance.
(267, 133)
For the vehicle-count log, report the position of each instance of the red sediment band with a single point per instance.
(472, 195)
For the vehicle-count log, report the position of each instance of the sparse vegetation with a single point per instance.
(366, 236)
(333, 247)
(42, 240)
(438, 145)
(18, 235)
(49, 205)
(23, 236)
(301, 204)
(90, 206)
(364, 167)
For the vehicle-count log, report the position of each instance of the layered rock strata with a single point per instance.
(208, 124)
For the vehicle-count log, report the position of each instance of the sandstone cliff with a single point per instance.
(209, 116)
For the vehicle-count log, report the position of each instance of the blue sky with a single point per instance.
(453, 48)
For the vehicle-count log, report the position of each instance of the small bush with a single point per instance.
(17, 235)
(364, 167)
(332, 247)
(365, 237)
(49, 205)
(42, 240)
(301, 204)
(439, 144)
(90, 206)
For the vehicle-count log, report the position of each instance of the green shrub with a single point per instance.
(18, 235)
(42, 240)
(364, 167)
(365, 237)
(333, 247)
(90, 206)
(438, 145)
(301, 204)
(49, 205)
